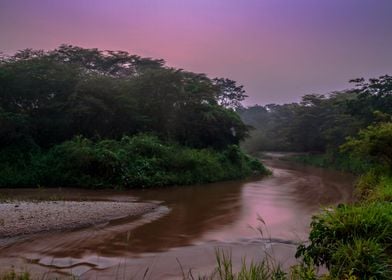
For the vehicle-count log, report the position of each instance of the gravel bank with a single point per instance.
(18, 218)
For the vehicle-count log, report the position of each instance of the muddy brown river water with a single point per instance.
(187, 228)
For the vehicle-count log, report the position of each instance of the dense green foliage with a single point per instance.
(373, 144)
(73, 117)
(49, 97)
(356, 228)
(138, 161)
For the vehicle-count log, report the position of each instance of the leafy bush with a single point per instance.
(373, 143)
(139, 161)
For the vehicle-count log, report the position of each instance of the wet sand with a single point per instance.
(23, 218)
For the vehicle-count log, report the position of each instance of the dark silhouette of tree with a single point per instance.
(229, 94)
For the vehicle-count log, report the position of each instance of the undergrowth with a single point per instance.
(132, 162)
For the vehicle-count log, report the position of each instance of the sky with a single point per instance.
(278, 49)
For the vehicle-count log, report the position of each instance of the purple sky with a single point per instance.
(278, 49)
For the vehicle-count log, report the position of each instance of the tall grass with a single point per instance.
(267, 269)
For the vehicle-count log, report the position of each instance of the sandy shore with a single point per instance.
(19, 218)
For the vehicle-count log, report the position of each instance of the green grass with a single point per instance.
(363, 258)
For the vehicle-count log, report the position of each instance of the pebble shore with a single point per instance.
(20, 218)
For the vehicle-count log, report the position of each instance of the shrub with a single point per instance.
(373, 143)
(333, 231)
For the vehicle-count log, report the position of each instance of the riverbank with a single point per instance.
(353, 239)
(23, 218)
(223, 215)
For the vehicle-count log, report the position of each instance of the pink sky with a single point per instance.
(278, 49)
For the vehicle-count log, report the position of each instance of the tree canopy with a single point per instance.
(47, 97)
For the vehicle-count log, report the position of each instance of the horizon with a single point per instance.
(279, 51)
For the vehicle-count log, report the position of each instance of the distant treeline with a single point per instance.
(47, 98)
(319, 123)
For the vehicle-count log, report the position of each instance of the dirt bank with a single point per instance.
(20, 218)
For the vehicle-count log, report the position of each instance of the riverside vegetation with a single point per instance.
(352, 131)
(91, 118)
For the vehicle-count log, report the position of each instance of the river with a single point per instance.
(252, 219)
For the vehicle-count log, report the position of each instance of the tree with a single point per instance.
(373, 95)
(229, 94)
(110, 63)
